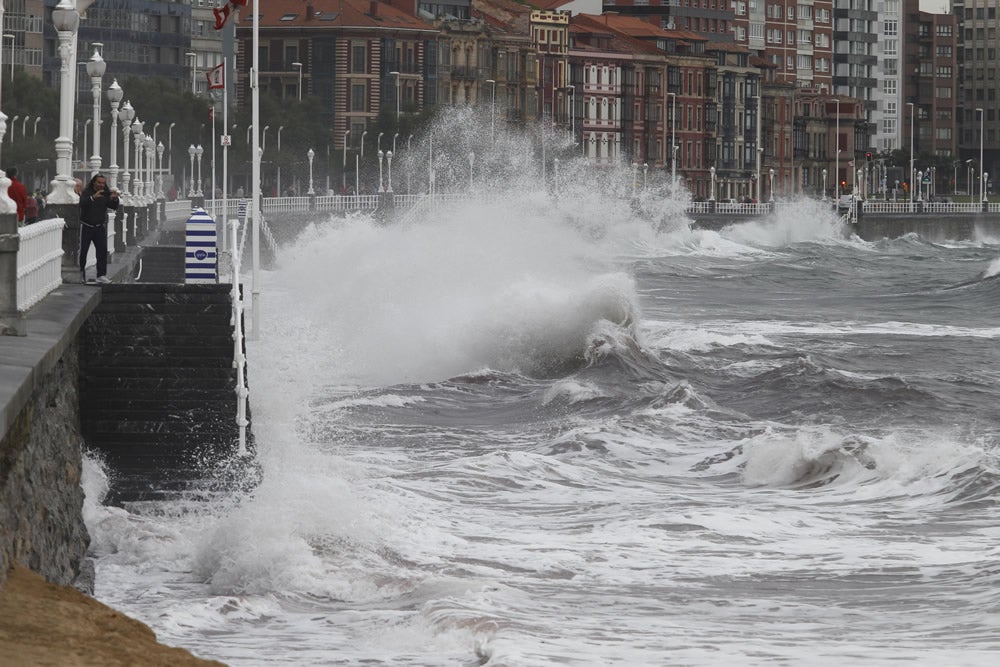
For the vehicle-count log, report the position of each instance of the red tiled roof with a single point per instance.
(332, 13)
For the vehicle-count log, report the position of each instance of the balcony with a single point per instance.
(465, 73)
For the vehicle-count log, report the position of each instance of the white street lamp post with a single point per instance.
(95, 69)
(770, 198)
(126, 115)
(311, 154)
(278, 176)
(150, 185)
(760, 149)
(199, 151)
(115, 94)
(380, 156)
(673, 140)
(912, 110)
(159, 171)
(170, 149)
(137, 171)
(388, 187)
(191, 153)
(66, 19)
(343, 175)
(982, 165)
(823, 197)
(357, 164)
(711, 192)
(836, 168)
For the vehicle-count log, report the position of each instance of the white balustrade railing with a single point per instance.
(39, 261)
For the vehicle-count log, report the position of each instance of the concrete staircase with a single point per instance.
(157, 385)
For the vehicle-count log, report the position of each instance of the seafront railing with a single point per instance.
(39, 261)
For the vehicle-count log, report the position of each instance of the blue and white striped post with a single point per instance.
(200, 256)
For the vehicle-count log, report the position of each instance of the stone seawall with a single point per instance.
(41, 500)
(930, 226)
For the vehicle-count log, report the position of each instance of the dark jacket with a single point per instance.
(94, 210)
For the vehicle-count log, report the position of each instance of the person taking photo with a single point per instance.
(95, 200)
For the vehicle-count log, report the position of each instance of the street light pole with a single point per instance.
(343, 175)
(311, 154)
(115, 94)
(760, 150)
(836, 168)
(673, 140)
(910, 178)
(96, 68)
(66, 19)
(982, 165)
(278, 175)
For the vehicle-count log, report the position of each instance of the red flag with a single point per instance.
(222, 13)
(216, 77)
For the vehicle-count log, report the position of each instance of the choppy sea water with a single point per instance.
(571, 432)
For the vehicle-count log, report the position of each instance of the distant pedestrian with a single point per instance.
(18, 193)
(30, 210)
(95, 201)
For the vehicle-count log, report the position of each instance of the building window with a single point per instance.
(945, 30)
(358, 59)
(890, 28)
(358, 97)
(943, 92)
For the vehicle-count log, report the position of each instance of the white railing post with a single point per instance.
(239, 359)
(11, 321)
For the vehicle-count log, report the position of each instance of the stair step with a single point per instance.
(178, 371)
(141, 441)
(152, 388)
(135, 361)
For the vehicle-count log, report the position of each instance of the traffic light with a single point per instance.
(868, 156)
(843, 185)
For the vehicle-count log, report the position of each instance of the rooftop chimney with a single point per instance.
(310, 10)
(374, 8)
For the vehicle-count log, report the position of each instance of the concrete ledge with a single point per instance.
(52, 325)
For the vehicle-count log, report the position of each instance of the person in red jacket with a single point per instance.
(18, 193)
